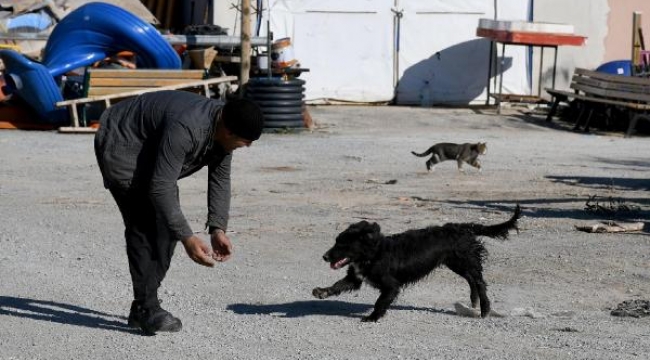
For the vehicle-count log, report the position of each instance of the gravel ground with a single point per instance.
(65, 288)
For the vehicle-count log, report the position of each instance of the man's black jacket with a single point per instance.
(148, 142)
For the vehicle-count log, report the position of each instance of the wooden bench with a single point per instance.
(594, 90)
(107, 97)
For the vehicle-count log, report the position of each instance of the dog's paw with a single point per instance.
(369, 318)
(320, 293)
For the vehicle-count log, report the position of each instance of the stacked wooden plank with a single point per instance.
(110, 81)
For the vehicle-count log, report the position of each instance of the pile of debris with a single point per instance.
(26, 24)
(632, 308)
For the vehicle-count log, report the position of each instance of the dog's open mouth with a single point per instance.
(339, 264)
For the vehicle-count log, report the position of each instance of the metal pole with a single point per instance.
(200, 40)
(554, 67)
(489, 74)
(541, 71)
(503, 56)
(245, 44)
(269, 36)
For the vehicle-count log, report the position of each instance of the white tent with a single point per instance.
(412, 51)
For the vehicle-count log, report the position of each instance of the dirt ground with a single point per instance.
(65, 289)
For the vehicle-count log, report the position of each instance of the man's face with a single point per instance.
(232, 142)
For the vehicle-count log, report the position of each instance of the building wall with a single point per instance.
(589, 19)
(607, 24)
(618, 42)
(227, 16)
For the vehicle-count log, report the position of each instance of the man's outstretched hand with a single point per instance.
(221, 245)
(198, 251)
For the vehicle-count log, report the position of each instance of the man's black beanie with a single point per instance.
(243, 118)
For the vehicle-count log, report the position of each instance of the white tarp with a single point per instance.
(347, 45)
(350, 49)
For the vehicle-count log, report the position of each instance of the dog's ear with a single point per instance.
(363, 229)
(376, 228)
(368, 228)
(372, 232)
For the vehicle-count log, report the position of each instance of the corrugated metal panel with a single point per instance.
(135, 7)
(165, 11)
(63, 7)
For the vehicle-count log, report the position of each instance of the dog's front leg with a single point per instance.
(386, 298)
(349, 283)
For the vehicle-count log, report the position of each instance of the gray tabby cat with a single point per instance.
(467, 153)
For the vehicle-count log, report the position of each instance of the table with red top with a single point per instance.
(523, 38)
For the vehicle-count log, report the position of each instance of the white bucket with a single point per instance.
(263, 61)
(282, 54)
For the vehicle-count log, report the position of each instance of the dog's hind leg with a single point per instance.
(349, 283)
(473, 286)
(482, 291)
(470, 267)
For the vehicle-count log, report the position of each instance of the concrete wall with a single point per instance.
(618, 42)
(225, 15)
(607, 24)
(589, 19)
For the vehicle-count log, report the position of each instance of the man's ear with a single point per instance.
(223, 132)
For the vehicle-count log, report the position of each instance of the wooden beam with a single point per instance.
(134, 82)
(636, 40)
(147, 73)
(77, 130)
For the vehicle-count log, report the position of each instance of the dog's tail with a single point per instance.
(499, 231)
(429, 151)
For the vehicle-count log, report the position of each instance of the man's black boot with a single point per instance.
(153, 320)
(135, 315)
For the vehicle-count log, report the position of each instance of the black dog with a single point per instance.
(390, 262)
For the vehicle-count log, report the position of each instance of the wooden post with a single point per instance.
(636, 41)
(245, 44)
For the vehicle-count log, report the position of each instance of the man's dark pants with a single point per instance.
(149, 246)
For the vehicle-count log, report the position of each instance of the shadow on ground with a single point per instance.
(51, 311)
(543, 208)
(566, 121)
(603, 183)
(319, 307)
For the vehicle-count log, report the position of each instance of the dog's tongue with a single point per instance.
(338, 264)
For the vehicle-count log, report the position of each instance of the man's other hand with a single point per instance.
(221, 245)
(198, 251)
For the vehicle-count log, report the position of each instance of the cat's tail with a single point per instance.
(429, 151)
(499, 231)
